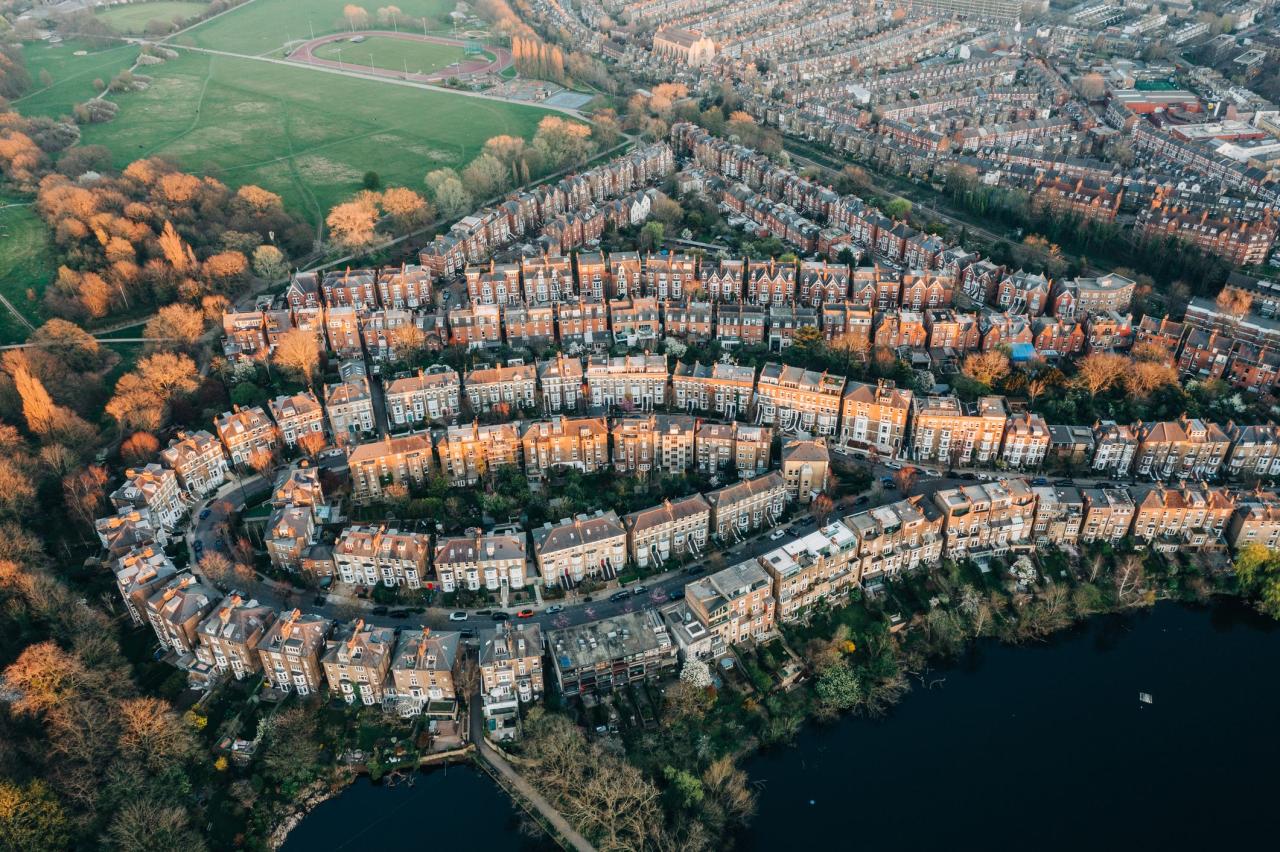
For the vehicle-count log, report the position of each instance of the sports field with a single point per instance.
(134, 17)
(392, 54)
(263, 27)
(306, 134)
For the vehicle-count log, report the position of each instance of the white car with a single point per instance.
(460, 615)
(776, 534)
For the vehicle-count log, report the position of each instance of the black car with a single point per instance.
(970, 476)
(694, 569)
(620, 596)
(1064, 483)
(500, 616)
(483, 612)
(320, 600)
(467, 634)
(399, 613)
(378, 610)
(862, 501)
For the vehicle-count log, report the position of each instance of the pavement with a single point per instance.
(499, 764)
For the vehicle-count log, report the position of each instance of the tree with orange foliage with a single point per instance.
(139, 448)
(311, 443)
(1099, 371)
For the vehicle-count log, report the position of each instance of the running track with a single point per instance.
(305, 54)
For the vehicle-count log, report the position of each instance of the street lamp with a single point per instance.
(340, 68)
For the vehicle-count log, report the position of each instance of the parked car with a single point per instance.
(1040, 480)
(500, 616)
(379, 610)
(458, 615)
(467, 633)
(553, 609)
(620, 596)
(1064, 483)
(777, 534)
(319, 600)
(399, 613)
(640, 590)
(205, 512)
(525, 613)
(197, 547)
(695, 569)
(483, 612)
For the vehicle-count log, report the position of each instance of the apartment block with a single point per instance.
(588, 546)
(1115, 445)
(129, 527)
(896, 537)
(798, 400)
(816, 567)
(662, 444)
(1108, 514)
(198, 461)
(402, 461)
(470, 451)
(510, 674)
(296, 416)
(987, 518)
(349, 407)
(492, 561)
(748, 505)
(290, 531)
(356, 661)
(953, 434)
(1181, 518)
(721, 446)
(734, 604)
(290, 652)
(247, 433)
(1026, 440)
(421, 678)
(500, 388)
(561, 381)
(373, 555)
(1255, 450)
(176, 610)
(632, 382)
(806, 468)
(1181, 449)
(433, 394)
(668, 531)
(140, 573)
(1256, 521)
(599, 656)
(873, 418)
(229, 637)
(155, 489)
(726, 389)
(581, 443)
(1060, 513)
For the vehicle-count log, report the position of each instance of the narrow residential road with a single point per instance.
(502, 767)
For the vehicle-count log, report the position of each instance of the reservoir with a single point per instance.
(458, 807)
(1045, 747)
(1049, 746)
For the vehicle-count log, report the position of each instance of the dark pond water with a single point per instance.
(1049, 747)
(1040, 747)
(454, 808)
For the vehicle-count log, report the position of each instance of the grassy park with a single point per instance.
(72, 75)
(263, 27)
(392, 54)
(26, 266)
(133, 17)
(306, 134)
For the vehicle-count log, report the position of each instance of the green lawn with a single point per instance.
(134, 17)
(27, 264)
(72, 75)
(306, 134)
(265, 26)
(393, 54)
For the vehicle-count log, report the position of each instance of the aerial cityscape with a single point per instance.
(638, 424)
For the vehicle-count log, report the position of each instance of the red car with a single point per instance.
(525, 613)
